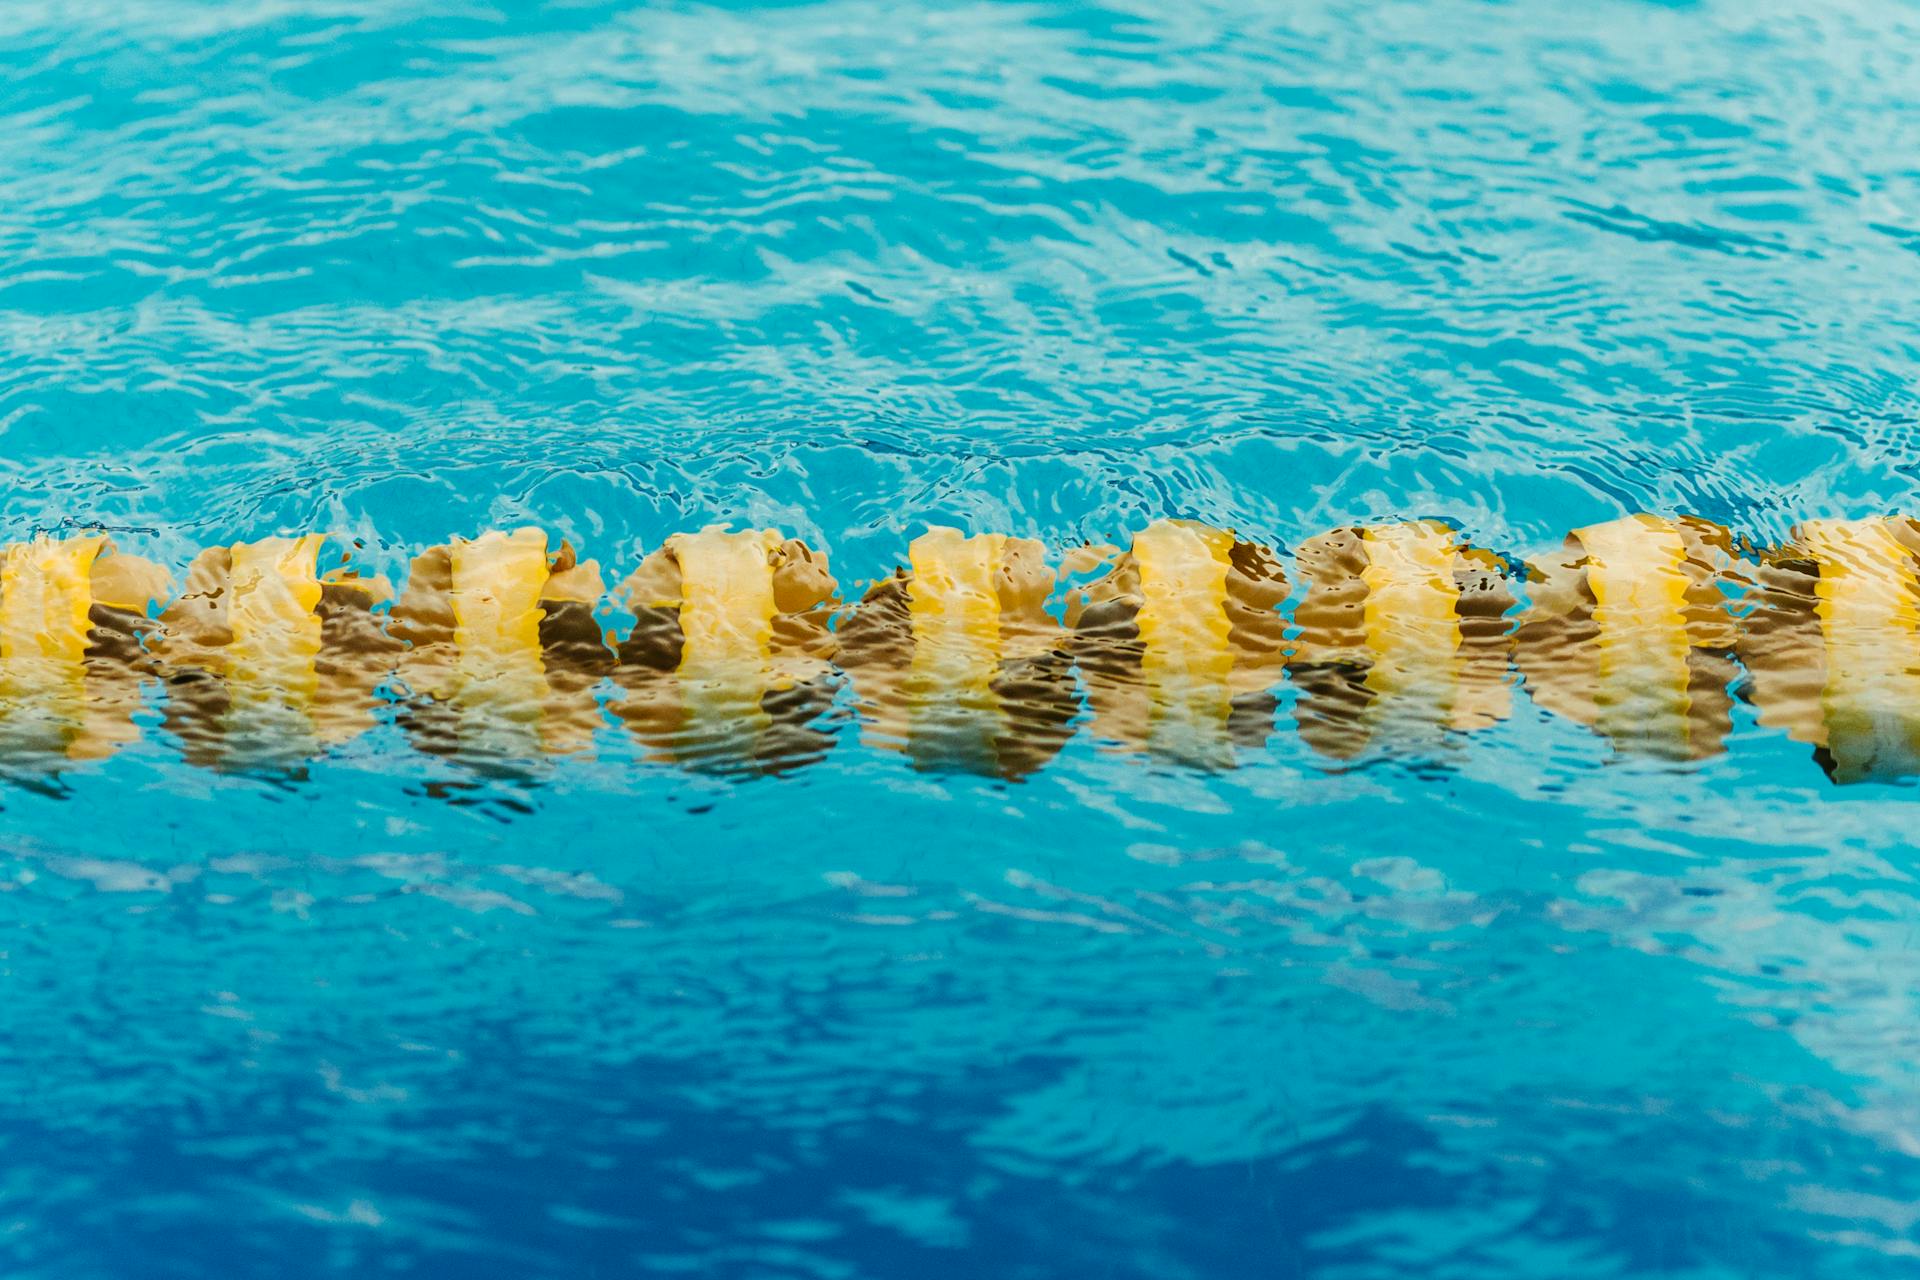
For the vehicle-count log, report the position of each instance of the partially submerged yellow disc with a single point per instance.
(497, 579)
(1636, 570)
(954, 600)
(726, 596)
(46, 593)
(1183, 596)
(1869, 609)
(1411, 612)
(275, 589)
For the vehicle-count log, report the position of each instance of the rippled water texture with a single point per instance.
(991, 640)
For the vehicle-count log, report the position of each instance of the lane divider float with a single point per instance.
(1391, 639)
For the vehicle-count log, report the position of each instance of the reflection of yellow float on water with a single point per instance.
(502, 652)
(956, 660)
(1403, 636)
(1181, 643)
(72, 612)
(1629, 634)
(725, 667)
(1832, 645)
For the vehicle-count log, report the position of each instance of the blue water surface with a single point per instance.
(1529, 1006)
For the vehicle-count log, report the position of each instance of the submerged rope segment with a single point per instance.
(1396, 639)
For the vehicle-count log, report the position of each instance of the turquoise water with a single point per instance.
(1310, 989)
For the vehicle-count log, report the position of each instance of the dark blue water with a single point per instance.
(1613, 976)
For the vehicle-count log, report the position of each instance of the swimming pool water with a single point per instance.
(1086, 936)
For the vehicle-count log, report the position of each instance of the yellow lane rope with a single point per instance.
(1391, 637)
